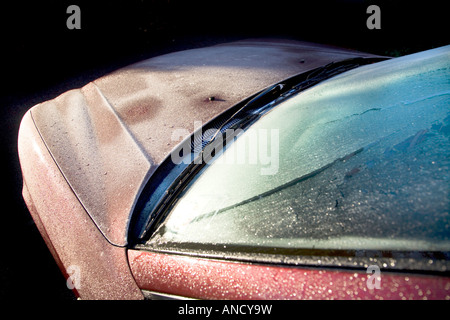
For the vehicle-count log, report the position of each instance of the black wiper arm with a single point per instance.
(332, 69)
(262, 99)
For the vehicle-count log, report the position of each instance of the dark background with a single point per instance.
(41, 58)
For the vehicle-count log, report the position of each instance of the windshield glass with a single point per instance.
(360, 161)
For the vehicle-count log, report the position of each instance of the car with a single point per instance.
(255, 169)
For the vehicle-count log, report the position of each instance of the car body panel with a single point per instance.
(200, 278)
(108, 137)
(74, 240)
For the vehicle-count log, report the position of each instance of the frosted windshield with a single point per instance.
(360, 161)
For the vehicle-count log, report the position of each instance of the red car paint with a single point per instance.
(215, 279)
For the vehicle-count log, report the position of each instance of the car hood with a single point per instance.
(109, 136)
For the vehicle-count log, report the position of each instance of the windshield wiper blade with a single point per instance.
(262, 99)
(332, 69)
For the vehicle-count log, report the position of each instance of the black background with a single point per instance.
(41, 58)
